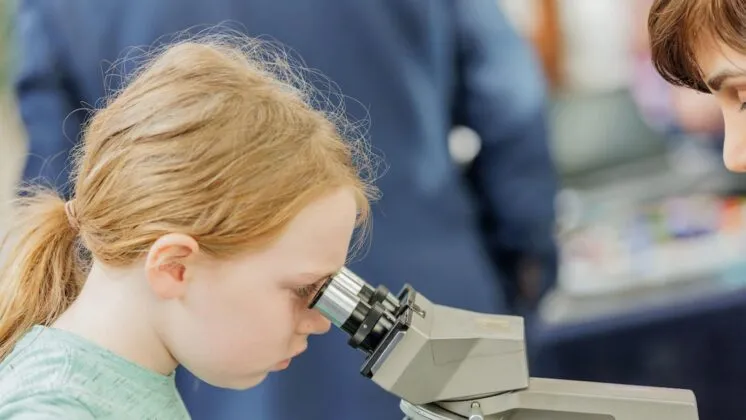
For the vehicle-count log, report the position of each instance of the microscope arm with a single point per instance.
(550, 399)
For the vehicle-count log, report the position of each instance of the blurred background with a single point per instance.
(651, 287)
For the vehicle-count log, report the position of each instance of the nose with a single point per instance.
(313, 323)
(734, 147)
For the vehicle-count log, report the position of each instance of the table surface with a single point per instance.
(684, 336)
(562, 312)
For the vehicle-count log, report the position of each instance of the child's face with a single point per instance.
(239, 320)
(725, 72)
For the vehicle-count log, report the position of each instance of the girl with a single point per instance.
(210, 200)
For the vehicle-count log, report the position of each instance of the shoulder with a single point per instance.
(42, 405)
(35, 368)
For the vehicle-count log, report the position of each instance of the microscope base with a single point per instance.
(551, 399)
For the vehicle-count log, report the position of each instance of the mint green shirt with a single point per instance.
(53, 374)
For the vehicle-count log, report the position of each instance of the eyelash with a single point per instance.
(743, 106)
(306, 292)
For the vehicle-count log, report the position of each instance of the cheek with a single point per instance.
(249, 325)
(232, 335)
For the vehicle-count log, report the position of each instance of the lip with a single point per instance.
(283, 364)
(299, 352)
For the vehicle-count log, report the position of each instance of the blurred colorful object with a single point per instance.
(661, 242)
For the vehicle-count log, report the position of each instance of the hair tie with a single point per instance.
(72, 217)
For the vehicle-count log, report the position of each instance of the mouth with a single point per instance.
(285, 363)
(299, 353)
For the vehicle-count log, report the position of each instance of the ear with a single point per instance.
(166, 264)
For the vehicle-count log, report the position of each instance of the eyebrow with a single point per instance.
(716, 82)
(316, 276)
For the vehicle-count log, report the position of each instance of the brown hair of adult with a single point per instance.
(677, 27)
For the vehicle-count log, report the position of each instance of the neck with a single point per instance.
(114, 312)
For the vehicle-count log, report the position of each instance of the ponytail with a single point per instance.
(41, 274)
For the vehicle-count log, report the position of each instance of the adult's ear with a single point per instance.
(167, 262)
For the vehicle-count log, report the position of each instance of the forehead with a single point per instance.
(319, 236)
(714, 57)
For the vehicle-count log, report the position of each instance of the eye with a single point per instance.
(741, 97)
(308, 291)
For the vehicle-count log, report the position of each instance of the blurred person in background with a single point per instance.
(700, 46)
(479, 237)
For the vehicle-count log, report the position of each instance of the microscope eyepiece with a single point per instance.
(335, 302)
(365, 313)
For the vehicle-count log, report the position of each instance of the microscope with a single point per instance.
(446, 363)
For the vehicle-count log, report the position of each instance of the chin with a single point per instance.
(241, 383)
